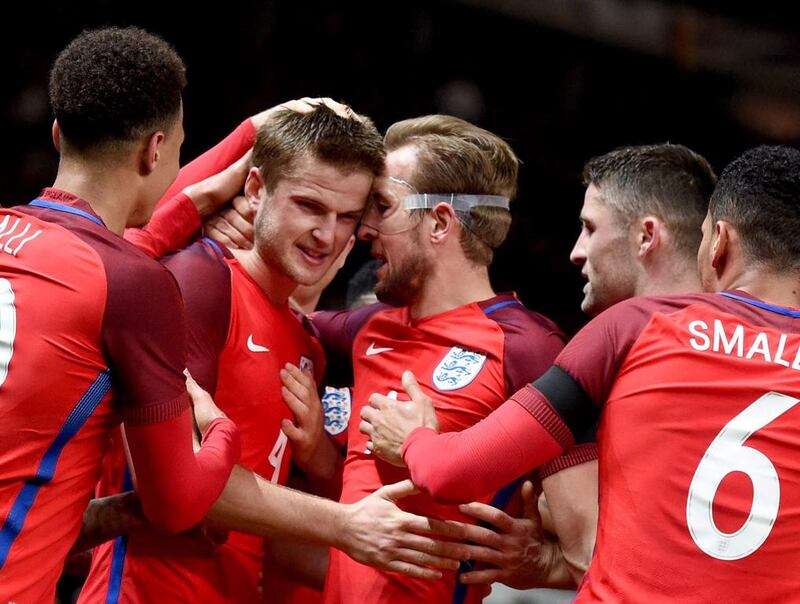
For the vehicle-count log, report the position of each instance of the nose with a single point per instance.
(578, 254)
(325, 232)
(366, 232)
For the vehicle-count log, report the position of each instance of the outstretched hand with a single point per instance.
(382, 535)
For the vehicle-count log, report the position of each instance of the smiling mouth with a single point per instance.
(313, 256)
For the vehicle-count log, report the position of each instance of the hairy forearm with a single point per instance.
(553, 570)
(253, 505)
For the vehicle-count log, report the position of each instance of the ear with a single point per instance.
(56, 136)
(649, 235)
(151, 152)
(444, 221)
(720, 245)
(254, 188)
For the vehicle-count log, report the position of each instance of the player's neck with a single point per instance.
(275, 284)
(449, 288)
(672, 281)
(108, 192)
(779, 289)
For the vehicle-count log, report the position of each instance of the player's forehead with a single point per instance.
(596, 208)
(327, 184)
(396, 180)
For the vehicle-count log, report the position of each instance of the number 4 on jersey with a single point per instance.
(727, 453)
(276, 456)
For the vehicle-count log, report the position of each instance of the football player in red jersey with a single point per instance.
(699, 393)
(438, 212)
(311, 174)
(91, 330)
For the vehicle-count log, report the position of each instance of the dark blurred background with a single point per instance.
(561, 80)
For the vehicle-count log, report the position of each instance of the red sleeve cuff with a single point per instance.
(417, 435)
(223, 429)
(576, 456)
(158, 412)
(535, 403)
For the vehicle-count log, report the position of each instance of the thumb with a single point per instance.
(411, 386)
(530, 504)
(292, 432)
(192, 387)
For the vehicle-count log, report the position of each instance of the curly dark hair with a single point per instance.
(115, 85)
(759, 194)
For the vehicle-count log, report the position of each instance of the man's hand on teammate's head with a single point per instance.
(387, 421)
(304, 105)
(521, 555)
(312, 450)
(205, 410)
(210, 194)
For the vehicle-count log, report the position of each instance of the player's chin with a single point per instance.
(310, 275)
(589, 305)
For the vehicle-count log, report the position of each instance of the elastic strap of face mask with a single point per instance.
(461, 203)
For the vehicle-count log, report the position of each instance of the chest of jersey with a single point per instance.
(456, 357)
(262, 338)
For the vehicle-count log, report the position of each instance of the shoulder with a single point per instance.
(531, 341)
(517, 320)
(634, 313)
(203, 255)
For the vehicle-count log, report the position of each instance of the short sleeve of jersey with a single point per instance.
(144, 338)
(336, 331)
(532, 343)
(205, 283)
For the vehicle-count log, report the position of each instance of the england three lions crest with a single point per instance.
(457, 369)
(336, 406)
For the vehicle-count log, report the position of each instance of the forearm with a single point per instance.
(216, 159)
(464, 466)
(251, 504)
(572, 500)
(175, 485)
(171, 227)
(552, 571)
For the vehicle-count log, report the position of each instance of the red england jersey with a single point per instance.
(699, 472)
(91, 332)
(238, 342)
(698, 439)
(468, 360)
